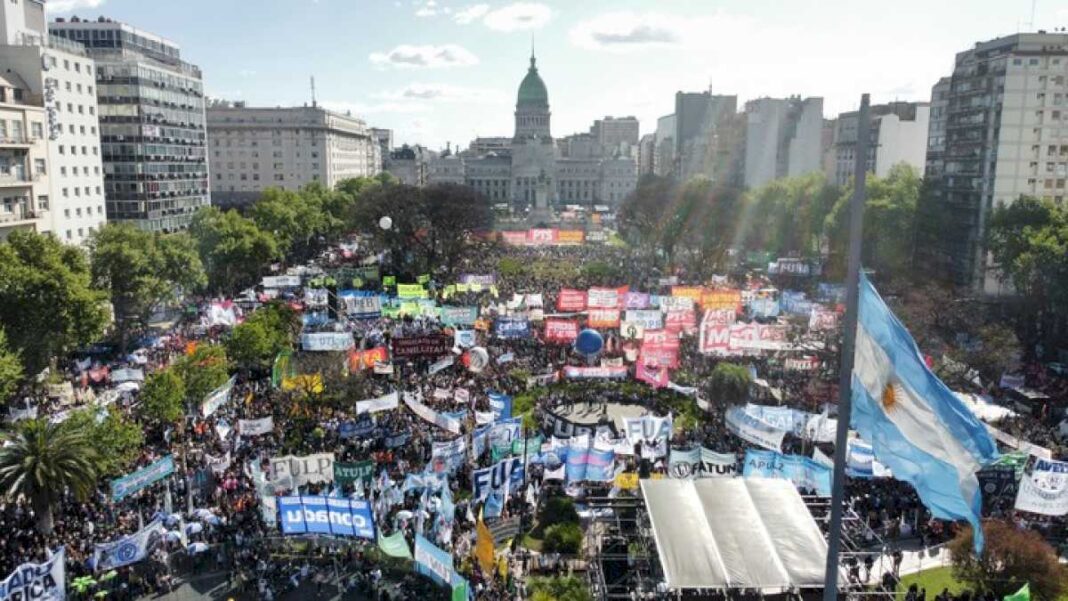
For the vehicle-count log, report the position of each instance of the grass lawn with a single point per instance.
(934, 580)
(534, 544)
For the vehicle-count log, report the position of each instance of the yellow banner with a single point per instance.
(716, 300)
(694, 292)
(411, 291)
(570, 237)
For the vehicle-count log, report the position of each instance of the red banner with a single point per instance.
(359, 360)
(515, 238)
(571, 300)
(561, 330)
(603, 318)
(543, 236)
(657, 377)
(683, 320)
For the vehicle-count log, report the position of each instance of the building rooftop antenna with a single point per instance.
(313, 90)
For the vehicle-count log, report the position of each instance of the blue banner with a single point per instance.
(432, 562)
(589, 464)
(361, 428)
(802, 471)
(795, 303)
(764, 307)
(501, 405)
(508, 472)
(326, 515)
(131, 483)
(831, 293)
(512, 328)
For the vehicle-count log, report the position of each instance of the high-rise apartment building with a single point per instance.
(1006, 135)
(52, 157)
(152, 124)
(898, 135)
(704, 136)
(252, 149)
(664, 155)
(782, 138)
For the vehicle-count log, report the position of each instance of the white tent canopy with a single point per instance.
(719, 533)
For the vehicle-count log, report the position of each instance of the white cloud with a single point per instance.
(627, 30)
(518, 16)
(407, 56)
(470, 14)
(443, 93)
(427, 9)
(66, 6)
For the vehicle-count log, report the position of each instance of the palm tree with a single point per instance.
(42, 461)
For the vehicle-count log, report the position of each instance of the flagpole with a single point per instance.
(845, 371)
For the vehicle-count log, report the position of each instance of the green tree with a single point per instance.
(563, 538)
(889, 223)
(140, 271)
(558, 588)
(787, 215)
(203, 371)
(729, 383)
(452, 214)
(47, 303)
(42, 461)
(233, 250)
(116, 440)
(289, 216)
(254, 344)
(1011, 558)
(163, 397)
(10, 369)
(1028, 240)
(642, 211)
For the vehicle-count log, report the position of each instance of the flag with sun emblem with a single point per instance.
(917, 427)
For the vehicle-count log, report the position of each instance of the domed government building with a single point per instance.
(531, 167)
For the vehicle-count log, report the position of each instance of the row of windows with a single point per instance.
(78, 210)
(53, 62)
(70, 108)
(78, 87)
(74, 150)
(74, 171)
(78, 192)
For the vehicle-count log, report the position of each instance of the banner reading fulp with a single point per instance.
(326, 515)
(131, 483)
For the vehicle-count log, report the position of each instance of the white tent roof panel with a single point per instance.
(734, 533)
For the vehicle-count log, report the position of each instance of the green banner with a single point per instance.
(283, 368)
(389, 280)
(459, 590)
(345, 473)
(423, 279)
(533, 445)
(411, 291)
(395, 545)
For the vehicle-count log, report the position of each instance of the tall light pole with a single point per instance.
(845, 372)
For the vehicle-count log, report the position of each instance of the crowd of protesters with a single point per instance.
(222, 500)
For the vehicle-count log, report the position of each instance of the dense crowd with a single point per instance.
(216, 503)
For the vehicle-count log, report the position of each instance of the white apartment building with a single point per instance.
(899, 132)
(782, 139)
(24, 202)
(59, 75)
(1006, 135)
(251, 149)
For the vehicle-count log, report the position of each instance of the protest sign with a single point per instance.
(326, 515)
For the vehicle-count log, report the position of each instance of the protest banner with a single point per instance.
(358, 304)
(443, 363)
(571, 301)
(394, 545)
(648, 319)
(512, 327)
(602, 318)
(636, 300)
(217, 398)
(129, 549)
(45, 581)
(326, 515)
(432, 562)
(561, 330)
(326, 341)
(482, 279)
(382, 403)
(1045, 490)
(429, 414)
(559, 427)
(430, 345)
(255, 427)
(507, 473)
(146, 476)
(308, 469)
(722, 300)
(451, 452)
(594, 373)
(411, 291)
(280, 281)
(606, 298)
(366, 359)
(681, 321)
(358, 471)
(459, 316)
(753, 430)
(805, 473)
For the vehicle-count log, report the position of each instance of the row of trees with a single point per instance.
(804, 216)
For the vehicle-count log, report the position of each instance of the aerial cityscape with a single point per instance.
(435, 299)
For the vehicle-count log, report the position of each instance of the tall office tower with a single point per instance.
(152, 125)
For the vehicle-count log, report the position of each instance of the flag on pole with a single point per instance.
(484, 551)
(1024, 594)
(917, 427)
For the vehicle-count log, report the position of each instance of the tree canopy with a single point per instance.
(48, 306)
(10, 369)
(234, 251)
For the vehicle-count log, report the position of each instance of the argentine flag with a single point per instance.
(915, 424)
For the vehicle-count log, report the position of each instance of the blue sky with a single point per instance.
(447, 70)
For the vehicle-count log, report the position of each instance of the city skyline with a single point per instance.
(437, 71)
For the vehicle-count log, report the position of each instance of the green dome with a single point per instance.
(532, 90)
